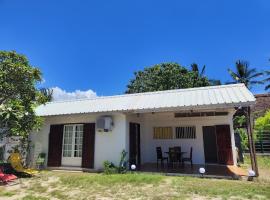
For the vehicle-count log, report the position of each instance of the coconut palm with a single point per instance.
(195, 68)
(201, 74)
(267, 80)
(245, 74)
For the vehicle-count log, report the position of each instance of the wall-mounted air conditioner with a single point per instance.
(104, 124)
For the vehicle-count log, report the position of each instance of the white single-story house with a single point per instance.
(85, 133)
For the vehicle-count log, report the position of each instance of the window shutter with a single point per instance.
(55, 145)
(88, 148)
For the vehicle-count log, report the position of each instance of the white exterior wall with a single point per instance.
(108, 146)
(148, 144)
(9, 144)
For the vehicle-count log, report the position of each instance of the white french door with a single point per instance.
(72, 145)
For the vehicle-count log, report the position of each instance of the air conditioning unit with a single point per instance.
(104, 124)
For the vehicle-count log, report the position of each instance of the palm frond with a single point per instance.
(249, 72)
(202, 71)
(267, 72)
(256, 75)
(267, 87)
(241, 67)
(266, 80)
(233, 75)
(256, 82)
(194, 67)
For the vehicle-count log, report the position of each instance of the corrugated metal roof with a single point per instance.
(224, 96)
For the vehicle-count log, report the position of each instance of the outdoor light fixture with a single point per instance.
(133, 167)
(202, 171)
(251, 174)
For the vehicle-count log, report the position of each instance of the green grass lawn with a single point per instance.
(67, 185)
(263, 161)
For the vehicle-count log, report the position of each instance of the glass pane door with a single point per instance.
(78, 141)
(67, 142)
(72, 140)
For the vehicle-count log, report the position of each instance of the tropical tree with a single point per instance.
(195, 68)
(245, 74)
(47, 94)
(263, 123)
(267, 80)
(239, 124)
(165, 76)
(197, 73)
(200, 74)
(19, 95)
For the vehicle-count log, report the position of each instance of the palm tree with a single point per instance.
(244, 74)
(267, 87)
(47, 94)
(195, 68)
(200, 74)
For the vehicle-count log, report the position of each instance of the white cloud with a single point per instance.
(62, 95)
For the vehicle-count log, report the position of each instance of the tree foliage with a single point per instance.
(245, 74)
(239, 122)
(19, 95)
(201, 74)
(165, 76)
(263, 123)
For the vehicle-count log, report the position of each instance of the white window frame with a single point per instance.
(73, 141)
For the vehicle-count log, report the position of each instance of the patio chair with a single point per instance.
(160, 157)
(173, 156)
(188, 159)
(6, 178)
(178, 153)
(40, 163)
(16, 163)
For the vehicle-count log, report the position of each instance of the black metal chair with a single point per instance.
(160, 157)
(188, 159)
(173, 156)
(178, 153)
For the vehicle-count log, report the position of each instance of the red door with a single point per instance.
(224, 144)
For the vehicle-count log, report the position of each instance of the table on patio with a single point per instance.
(175, 154)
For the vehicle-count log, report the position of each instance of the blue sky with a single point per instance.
(98, 44)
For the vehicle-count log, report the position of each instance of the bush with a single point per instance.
(244, 138)
(110, 168)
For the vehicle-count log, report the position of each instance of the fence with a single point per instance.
(262, 145)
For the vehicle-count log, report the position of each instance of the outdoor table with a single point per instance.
(177, 153)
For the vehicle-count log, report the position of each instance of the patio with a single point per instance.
(207, 141)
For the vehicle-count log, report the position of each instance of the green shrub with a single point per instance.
(109, 167)
(122, 168)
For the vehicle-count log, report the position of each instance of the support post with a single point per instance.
(251, 142)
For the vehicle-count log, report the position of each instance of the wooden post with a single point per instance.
(251, 143)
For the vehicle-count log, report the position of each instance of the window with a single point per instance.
(163, 133)
(186, 132)
(72, 140)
